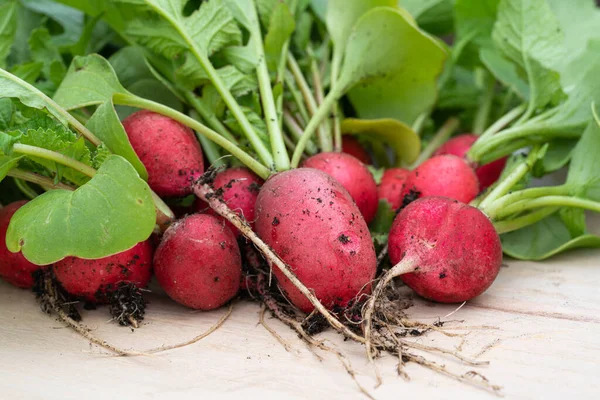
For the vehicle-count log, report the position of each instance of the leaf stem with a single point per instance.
(483, 112)
(419, 123)
(38, 180)
(27, 190)
(326, 139)
(441, 137)
(58, 158)
(297, 96)
(261, 149)
(209, 117)
(494, 208)
(309, 99)
(245, 158)
(502, 122)
(296, 131)
(523, 221)
(280, 76)
(316, 120)
(278, 149)
(549, 201)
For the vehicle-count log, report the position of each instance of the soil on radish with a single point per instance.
(126, 303)
(49, 293)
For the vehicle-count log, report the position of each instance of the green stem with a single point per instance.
(483, 112)
(245, 158)
(280, 76)
(549, 201)
(309, 99)
(278, 149)
(58, 158)
(495, 207)
(508, 183)
(316, 120)
(210, 118)
(502, 122)
(298, 101)
(525, 220)
(261, 149)
(295, 130)
(210, 149)
(419, 123)
(27, 190)
(441, 137)
(38, 179)
(504, 151)
(325, 133)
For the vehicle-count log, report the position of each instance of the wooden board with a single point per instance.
(547, 345)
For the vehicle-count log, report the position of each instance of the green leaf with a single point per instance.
(505, 71)
(7, 163)
(8, 29)
(7, 142)
(42, 50)
(438, 18)
(29, 72)
(110, 214)
(243, 58)
(544, 240)
(395, 77)
(584, 177)
(475, 20)
(90, 80)
(256, 120)
(557, 156)
(191, 75)
(528, 34)
(281, 27)
(6, 113)
(400, 137)
(70, 19)
(574, 220)
(106, 125)
(419, 7)
(382, 223)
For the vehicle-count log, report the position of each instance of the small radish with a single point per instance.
(392, 183)
(313, 224)
(94, 279)
(488, 174)
(445, 250)
(447, 176)
(354, 176)
(353, 147)
(239, 187)
(198, 262)
(14, 268)
(169, 151)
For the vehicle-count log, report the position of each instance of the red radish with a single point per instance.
(240, 188)
(198, 262)
(14, 268)
(392, 183)
(445, 250)
(169, 150)
(90, 279)
(313, 224)
(488, 174)
(447, 176)
(353, 147)
(354, 176)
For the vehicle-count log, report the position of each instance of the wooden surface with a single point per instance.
(547, 345)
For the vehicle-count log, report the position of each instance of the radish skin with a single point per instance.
(353, 147)
(354, 176)
(14, 267)
(313, 224)
(391, 186)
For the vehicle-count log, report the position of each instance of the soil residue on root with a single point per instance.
(126, 303)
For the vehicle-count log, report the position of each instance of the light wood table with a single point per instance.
(547, 345)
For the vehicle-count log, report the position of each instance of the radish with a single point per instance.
(392, 183)
(445, 250)
(313, 224)
(354, 176)
(353, 147)
(169, 151)
(487, 174)
(198, 262)
(447, 176)
(93, 280)
(14, 268)
(239, 187)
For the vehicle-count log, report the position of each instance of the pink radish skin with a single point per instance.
(354, 177)
(487, 174)
(198, 262)
(447, 176)
(89, 278)
(313, 224)
(240, 189)
(392, 183)
(14, 268)
(452, 248)
(353, 147)
(169, 151)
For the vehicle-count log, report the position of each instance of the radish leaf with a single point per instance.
(108, 215)
(8, 22)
